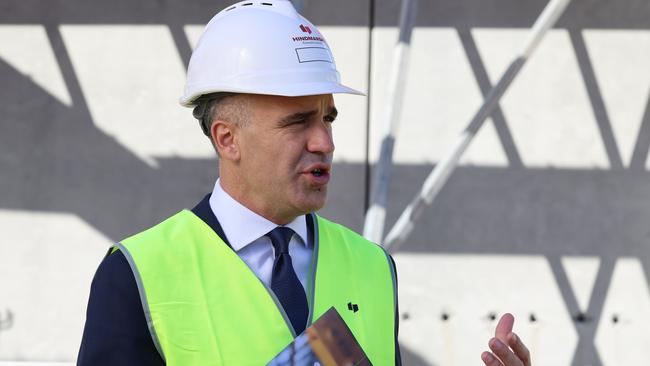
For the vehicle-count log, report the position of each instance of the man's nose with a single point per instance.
(320, 139)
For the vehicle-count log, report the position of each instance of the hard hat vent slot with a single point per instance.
(231, 8)
(267, 4)
(247, 4)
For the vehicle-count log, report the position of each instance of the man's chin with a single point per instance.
(314, 202)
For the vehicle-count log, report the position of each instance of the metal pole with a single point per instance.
(374, 223)
(440, 174)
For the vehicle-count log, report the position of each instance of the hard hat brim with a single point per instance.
(304, 89)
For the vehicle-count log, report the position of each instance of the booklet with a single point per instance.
(327, 342)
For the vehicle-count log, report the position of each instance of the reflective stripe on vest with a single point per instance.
(205, 306)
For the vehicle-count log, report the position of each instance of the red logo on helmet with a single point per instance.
(305, 29)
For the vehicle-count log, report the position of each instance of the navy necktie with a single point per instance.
(285, 283)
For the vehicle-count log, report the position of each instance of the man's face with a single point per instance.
(286, 153)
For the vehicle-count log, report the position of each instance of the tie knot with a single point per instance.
(280, 237)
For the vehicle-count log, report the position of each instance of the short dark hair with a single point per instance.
(206, 106)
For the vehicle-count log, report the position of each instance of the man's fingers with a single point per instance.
(519, 348)
(507, 347)
(501, 350)
(489, 359)
(504, 327)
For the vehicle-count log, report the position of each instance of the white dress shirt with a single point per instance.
(246, 232)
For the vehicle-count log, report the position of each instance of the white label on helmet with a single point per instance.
(313, 54)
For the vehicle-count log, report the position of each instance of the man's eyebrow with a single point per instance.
(300, 116)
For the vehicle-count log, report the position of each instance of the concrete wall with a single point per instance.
(547, 216)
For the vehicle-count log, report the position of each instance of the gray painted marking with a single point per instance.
(596, 98)
(6, 320)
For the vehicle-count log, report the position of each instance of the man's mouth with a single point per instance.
(319, 173)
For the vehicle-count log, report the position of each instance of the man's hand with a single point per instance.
(507, 348)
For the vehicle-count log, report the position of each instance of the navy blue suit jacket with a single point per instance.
(116, 332)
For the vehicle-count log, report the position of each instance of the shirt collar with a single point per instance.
(243, 226)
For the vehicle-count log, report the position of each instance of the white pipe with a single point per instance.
(440, 174)
(375, 217)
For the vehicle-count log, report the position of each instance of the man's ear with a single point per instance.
(223, 136)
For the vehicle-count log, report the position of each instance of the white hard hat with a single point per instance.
(261, 47)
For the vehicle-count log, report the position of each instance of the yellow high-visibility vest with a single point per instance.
(205, 306)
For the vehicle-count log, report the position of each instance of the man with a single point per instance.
(237, 278)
